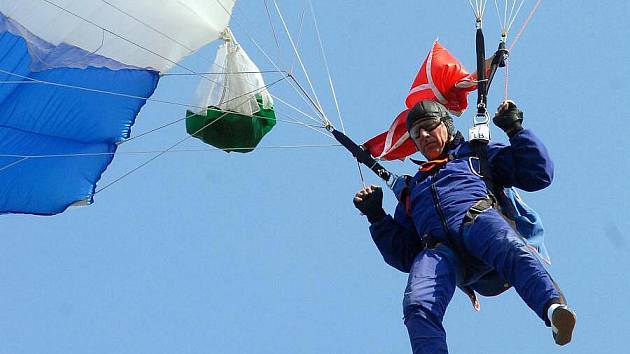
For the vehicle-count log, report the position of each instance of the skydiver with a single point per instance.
(448, 231)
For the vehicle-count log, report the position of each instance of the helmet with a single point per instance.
(430, 109)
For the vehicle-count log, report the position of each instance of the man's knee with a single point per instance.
(431, 284)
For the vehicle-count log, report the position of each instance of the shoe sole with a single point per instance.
(563, 321)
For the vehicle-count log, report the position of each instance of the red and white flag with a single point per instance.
(442, 78)
(393, 144)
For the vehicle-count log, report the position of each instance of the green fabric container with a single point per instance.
(231, 131)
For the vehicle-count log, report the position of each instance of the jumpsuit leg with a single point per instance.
(491, 239)
(431, 285)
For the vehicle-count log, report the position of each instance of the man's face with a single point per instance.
(430, 137)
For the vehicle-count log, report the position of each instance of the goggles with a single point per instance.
(427, 124)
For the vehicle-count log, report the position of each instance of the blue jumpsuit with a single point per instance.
(438, 203)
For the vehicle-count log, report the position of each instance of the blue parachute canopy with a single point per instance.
(73, 79)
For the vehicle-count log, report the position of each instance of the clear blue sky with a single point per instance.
(208, 252)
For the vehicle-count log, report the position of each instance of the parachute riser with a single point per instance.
(481, 71)
(393, 181)
(480, 131)
(499, 60)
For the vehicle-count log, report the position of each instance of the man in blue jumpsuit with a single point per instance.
(447, 232)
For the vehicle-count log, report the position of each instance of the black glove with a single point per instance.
(370, 202)
(509, 118)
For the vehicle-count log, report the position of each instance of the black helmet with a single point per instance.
(430, 109)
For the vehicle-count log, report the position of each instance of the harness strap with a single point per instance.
(478, 208)
(481, 150)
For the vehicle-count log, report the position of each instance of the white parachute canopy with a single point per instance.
(147, 34)
(239, 82)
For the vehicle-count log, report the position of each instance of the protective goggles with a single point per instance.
(427, 124)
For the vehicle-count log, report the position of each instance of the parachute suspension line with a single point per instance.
(232, 73)
(149, 26)
(326, 122)
(361, 175)
(251, 38)
(513, 18)
(154, 130)
(273, 30)
(81, 154)
(296, 109)
(314, 103)
(299, 36)
(14, 162)
(317, 103)
(505, 82)
(19, 82)
(128, 40)
(511, 9)
(171, 147)
(502, 20)
(316, 128)
(479, 8)
(332, 86)
(43, 82)
(148, 152)
(292, 120)
(524, 25)
(507, 20)
(156, 156)
(292, 67)
(505, 14)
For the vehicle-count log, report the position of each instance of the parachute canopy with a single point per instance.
(73, 77)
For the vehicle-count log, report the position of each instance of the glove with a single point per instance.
(369, 201)
(509, 118)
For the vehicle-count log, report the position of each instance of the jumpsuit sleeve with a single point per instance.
(524, 164)
(396, 239)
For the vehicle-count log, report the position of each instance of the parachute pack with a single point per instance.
(239, 108)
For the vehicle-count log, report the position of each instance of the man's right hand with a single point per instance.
(369, 201)
(509, 118)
